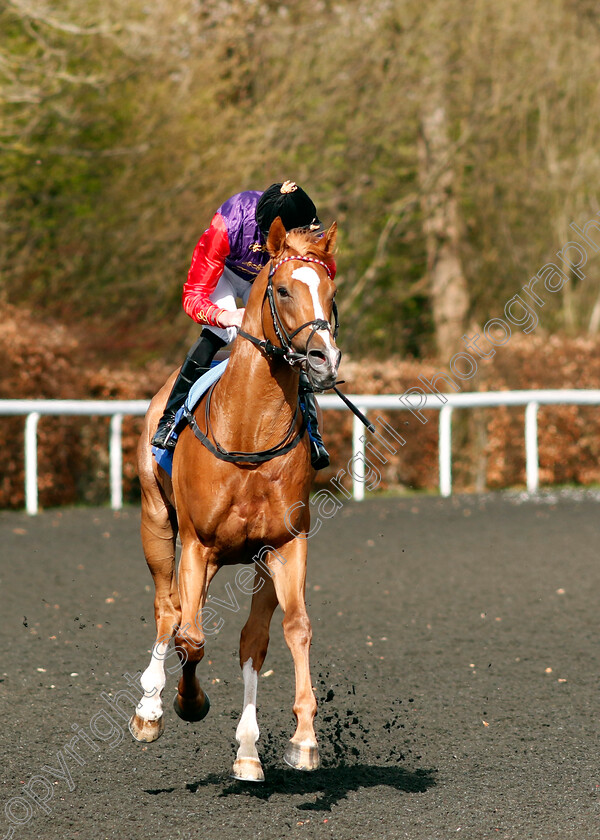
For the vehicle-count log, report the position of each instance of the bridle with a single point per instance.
(285, 349)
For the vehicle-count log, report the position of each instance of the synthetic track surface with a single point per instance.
(455, 659)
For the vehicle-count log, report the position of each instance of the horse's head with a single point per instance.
(301, 294)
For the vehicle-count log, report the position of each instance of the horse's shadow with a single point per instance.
(331, 784)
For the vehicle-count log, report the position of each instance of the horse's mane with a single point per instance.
(307, 244)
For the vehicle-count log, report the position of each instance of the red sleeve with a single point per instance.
(207, 267)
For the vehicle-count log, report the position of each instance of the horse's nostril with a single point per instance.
(316, 358)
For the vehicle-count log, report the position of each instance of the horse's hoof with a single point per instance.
(300, 757)
(247, 770)
(191, 713)
(146, 730)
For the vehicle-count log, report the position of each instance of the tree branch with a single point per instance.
(27, 12)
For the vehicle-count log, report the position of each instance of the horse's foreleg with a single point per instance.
(158, 540)
(191, 703)
(289, 578)
(253, 649)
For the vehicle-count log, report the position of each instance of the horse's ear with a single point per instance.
(276, 237)
(329, 238)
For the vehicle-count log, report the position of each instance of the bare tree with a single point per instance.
(441, 219)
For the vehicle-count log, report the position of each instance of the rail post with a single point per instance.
(116, 462)
(445, 450)
(531, 447)
(358, 471)
(31, 465)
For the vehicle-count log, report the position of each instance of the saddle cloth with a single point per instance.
(164, 457)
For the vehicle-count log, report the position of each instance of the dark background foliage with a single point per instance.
(459, 134)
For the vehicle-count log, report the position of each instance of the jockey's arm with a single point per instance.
(208, 262)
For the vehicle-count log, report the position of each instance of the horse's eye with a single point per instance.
(282, 292)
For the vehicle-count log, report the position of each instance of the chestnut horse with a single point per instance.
(239, 494)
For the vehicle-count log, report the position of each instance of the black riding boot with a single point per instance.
(196, 363)
(319, 456)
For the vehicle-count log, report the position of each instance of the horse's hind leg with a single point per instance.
(158, 539)
(253, 649)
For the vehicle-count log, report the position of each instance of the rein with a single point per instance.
(285, 445)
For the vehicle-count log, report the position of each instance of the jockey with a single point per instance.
(225, 262)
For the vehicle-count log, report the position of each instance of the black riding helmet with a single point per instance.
(290, 203)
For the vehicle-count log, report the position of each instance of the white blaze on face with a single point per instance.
(309, 276)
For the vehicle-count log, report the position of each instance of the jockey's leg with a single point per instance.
(319, 456)
(196, 363)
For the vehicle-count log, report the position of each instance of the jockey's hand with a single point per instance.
(231, 319)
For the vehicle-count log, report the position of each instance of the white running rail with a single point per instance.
(34, 409)
(445, 404)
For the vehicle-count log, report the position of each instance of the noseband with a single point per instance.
(286, 350)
